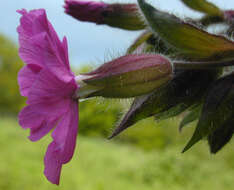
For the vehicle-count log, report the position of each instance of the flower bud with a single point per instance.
(127, 76)
(118, 15)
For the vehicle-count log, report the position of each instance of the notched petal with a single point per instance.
(61, 150)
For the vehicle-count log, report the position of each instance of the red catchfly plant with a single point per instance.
(162, 88)
(53, 90)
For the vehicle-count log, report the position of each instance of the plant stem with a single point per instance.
(202, 65)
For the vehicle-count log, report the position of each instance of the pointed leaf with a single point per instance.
(139, 41)
(203, 6)
(218, 107)
(191, 41)
(184, 90)
(190, 117)
(221, 136)
(150, 42)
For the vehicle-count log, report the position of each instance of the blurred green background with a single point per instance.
(146, 156)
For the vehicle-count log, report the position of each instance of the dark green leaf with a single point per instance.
(218, 107)
(190, 117)
(221, 136)
(172, 112)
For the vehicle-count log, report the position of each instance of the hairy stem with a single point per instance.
(178, 65)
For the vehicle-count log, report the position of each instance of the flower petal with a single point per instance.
(50, 85)
(50, 89)
(41, 118)
(61, 150)
(39, 43)
(29, 117)
(48, 100)
(26, 77)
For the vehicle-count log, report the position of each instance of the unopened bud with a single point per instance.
(118, 15)
(127, 76)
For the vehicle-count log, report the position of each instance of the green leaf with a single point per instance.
(203, 6)
(191, 41)
(190, 117)
(183, 91)
(218, 107)
(150, 42)
(139, 41)
(221, 136)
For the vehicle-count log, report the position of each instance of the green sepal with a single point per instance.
(124, 16)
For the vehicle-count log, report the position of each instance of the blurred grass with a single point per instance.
(105, 165)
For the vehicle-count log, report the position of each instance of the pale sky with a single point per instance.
(87, 41)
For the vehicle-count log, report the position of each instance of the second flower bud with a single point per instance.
(127, 76)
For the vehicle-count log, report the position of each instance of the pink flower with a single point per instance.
(48, 83)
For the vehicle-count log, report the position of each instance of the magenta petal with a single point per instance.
(26, 77)
(39, 132)
(50, 89)
(61, 150)
(65, 47)
(41, 118)
(32, 49)
(53, 164)
(50, 85)
(39, 50)
(29, 117)
(39, 43)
